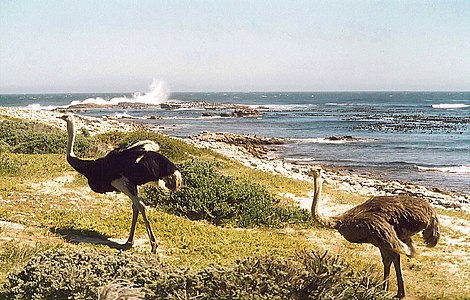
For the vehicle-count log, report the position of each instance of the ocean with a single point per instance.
(418, 137)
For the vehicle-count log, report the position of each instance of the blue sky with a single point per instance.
(107, 46)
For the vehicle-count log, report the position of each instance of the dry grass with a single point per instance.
(440, 272)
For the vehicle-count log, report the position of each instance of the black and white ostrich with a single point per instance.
(122, 170)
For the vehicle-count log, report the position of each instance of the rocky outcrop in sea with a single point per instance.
(226, 110)
(253, 144)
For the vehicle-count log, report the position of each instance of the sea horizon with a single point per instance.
(240, 91)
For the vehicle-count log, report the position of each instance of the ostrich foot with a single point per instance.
(399, 296)
(154, 247)
(126, 246)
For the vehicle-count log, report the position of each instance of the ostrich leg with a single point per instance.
(141, 208)
(387, 262)
(135, 214)
(130, 190)
(401, 285)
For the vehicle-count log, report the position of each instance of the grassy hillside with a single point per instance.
(226, 224)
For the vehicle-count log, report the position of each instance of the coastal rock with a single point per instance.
(153, 117)
(121, 105)
(237, 139)
(241, 112)
(170, 106)
(246, 112)
(238, 110)
(348, 138)
(255, 145)
(340, 138)
(92, 125)
(227, 115)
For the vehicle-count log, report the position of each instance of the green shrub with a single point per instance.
(222, 200)
(27, 137)
(4, 147)
(41, 143)
(15, 132)
(14, 254)
(35, 138)
(76, 275)
(8, 166)
(62, 274)
(176, 150)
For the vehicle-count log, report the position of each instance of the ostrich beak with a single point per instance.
(172, 182)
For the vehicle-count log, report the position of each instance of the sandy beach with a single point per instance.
(268, 160)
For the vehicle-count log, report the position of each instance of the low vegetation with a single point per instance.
(25, 137)
(226, 234)
(223, 200)
(78, 274)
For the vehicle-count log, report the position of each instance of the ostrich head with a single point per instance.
(317, 181)
(316, 172)
(67, 118)
(172, 182)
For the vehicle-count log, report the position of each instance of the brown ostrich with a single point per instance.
(387, 222)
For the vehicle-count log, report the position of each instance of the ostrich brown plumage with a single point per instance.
(387, 222)
(122, 170)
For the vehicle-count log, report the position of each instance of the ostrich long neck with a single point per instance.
(317, 217)
(71, 138)
(82, 166)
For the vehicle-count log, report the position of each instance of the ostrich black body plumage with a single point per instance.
(123, 169)
(135, 163)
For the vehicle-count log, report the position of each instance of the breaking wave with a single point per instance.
(334, 140)
(125, 115)
(37, 106)
(465, 169)
(158, 94)
(283, 107)
(450, 105)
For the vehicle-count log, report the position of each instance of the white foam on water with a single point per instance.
(336, 104)
(37, 106)
(285, 107)
(333, 141)
(299, 159)
(464, 169)
(158, 93)
(450, 105)
(125, 115)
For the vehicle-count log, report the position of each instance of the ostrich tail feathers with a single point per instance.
(146, 146)
(431, 234)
